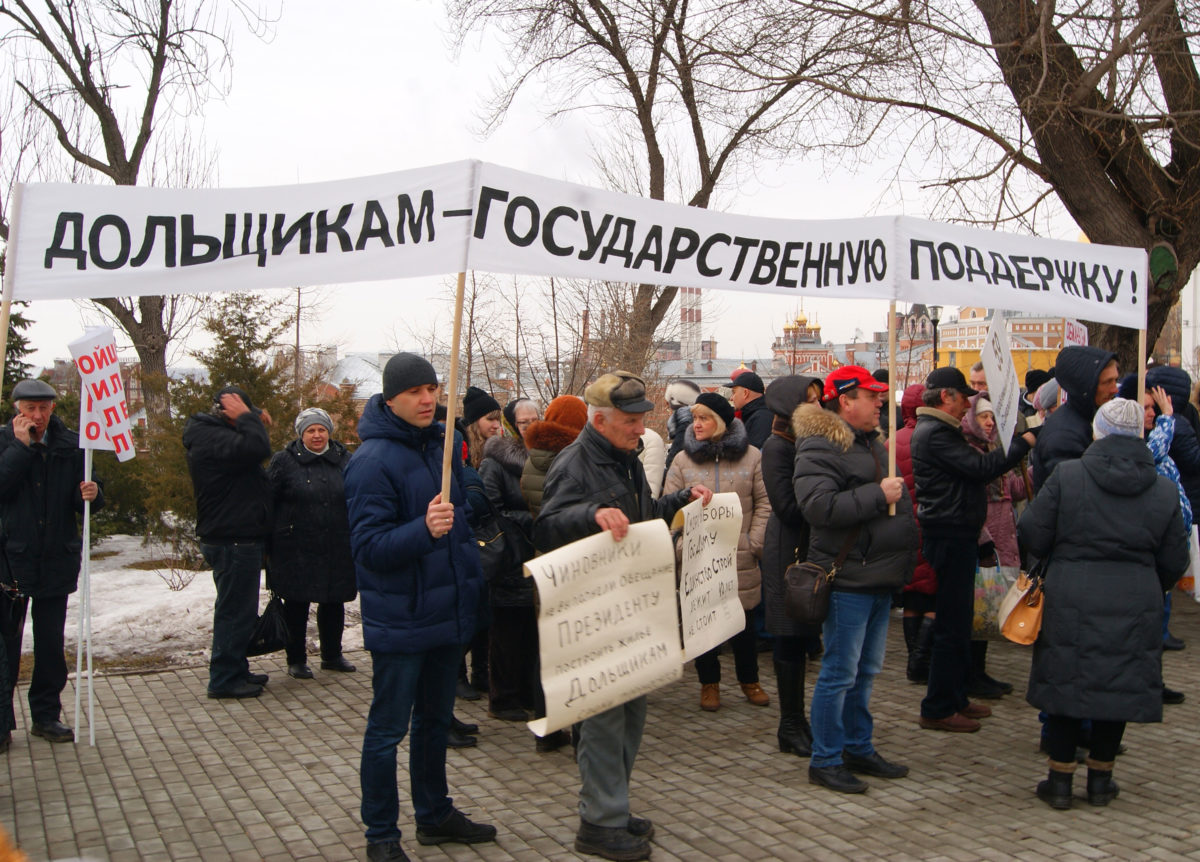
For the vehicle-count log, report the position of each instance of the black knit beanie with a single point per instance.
(718, 405)
(477, 404)
(404, 371)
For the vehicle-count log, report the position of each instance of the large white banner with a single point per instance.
(78, 241)
(709, 608)
(529, 224)
(75, 241)
(1004, 391)
(955, 265)
(608, 624)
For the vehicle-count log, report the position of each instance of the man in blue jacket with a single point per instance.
(419, 583)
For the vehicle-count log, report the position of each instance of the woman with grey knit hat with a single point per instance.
(309, 554)
(1111, 530)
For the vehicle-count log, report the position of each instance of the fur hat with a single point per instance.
(567, 410)
(681, 393)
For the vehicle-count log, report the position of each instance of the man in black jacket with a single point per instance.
(597, 484)
(756, 416)
(225, 452)
(41, 491)
(951, 479)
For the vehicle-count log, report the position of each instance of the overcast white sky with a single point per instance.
(356, 89)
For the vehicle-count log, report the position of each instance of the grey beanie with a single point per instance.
(1118, 417)
(404, 371)
(313, 416)
(1047, 395)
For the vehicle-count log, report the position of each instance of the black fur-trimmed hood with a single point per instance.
(508, 452)
(732, 444)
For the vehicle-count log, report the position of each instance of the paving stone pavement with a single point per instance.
(175, 776)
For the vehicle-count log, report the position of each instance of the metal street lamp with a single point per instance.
(935, 313)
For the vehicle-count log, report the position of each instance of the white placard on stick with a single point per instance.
(709, 607)
(608, 623)
(1003, 389)
(103, 411)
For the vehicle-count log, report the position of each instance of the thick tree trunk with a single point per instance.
(150, 340)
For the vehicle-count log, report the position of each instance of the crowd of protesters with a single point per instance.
(808, 459)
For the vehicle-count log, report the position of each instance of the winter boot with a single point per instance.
(1055, 791)
(1101, 789)
(795, 735)
(979, 684)
(921, 650)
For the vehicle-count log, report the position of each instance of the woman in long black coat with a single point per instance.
(786, 542)
(310, 557)
(1112, 531)
(512, 636)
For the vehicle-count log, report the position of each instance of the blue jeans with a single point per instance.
(417, 687)
(855, 635)
(237, 570)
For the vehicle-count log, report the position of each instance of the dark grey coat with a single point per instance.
(310, 557)
(786, 541)
(1113, 532)
(40, 499)
(837, 473)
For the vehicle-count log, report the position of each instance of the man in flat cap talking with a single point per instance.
(41, 492)
(597, 484)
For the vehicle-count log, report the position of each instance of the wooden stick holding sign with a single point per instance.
(891, 399)
(452, 389)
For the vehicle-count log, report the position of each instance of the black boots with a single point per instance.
(1055, 791)
(979, 684)
(1101, 789)
(918, 637)
(795, 735)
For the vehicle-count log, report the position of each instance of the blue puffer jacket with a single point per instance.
(416, 592)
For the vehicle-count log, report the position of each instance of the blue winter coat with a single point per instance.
(416, 592)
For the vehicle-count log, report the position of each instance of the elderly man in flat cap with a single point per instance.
(597, 484)
(42, 489)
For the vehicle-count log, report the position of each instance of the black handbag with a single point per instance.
(807, 587)
(503, 546)
(271, 631)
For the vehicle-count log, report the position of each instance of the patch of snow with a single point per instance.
(136, 615)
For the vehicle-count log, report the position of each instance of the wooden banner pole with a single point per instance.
(452, 389)
(891, 399)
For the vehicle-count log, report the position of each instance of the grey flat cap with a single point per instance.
(33, 390)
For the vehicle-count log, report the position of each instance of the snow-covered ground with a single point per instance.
(139, 620)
